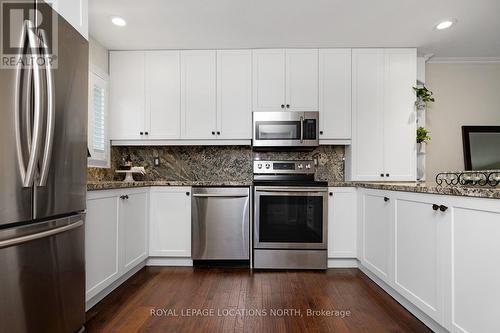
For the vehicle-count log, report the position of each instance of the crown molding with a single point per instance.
(464, 60)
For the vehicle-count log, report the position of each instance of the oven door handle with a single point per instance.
(295, 190)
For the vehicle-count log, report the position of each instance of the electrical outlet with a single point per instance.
(156, 161)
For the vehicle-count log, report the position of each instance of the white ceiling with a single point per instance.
(216, 24)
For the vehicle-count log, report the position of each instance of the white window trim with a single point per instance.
(105, 161)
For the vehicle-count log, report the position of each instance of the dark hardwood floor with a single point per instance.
(180, 290)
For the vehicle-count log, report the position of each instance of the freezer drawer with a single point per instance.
(220, 224)
(42, 284)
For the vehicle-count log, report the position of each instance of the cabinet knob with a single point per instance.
(282, 106)
(320, 132)
(141, 133)
(443, 208)
(387, 175)
(435, 207)
(386, 199)
(147, 133)
(330, 194)
(213, 133)
(218, 133)
(187, 193)
(381, 175)
(123, 197)
(288, 106)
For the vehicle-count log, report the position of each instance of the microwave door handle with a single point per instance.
(49, 136)
(301, 129)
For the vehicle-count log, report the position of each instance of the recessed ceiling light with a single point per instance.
(445, 24)
(118, 21)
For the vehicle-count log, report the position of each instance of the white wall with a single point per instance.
(466, 94)
(98, 55)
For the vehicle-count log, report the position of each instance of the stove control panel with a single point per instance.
(284, 167)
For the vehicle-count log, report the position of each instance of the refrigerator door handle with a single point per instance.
(28, 173)
(39, 235)
(49, 135)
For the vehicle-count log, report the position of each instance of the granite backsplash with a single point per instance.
(212, 163)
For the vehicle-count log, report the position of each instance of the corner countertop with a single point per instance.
(417, 187)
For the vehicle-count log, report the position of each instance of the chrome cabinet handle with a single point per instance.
(28, 172)
(49, 135)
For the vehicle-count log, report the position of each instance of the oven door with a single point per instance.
(290, 217)
(285, 129)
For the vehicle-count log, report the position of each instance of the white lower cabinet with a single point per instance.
(438, 252)
(472, 273)
(115, 235)
(342, 223)
(420, 228)
(170, 223)
(376, 224)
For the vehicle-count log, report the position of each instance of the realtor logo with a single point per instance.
(28, 35)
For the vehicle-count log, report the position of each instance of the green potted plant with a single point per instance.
(422, 135)
(424, 96)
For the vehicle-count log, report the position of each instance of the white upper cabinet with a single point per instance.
(268, 80)
(198, 94)
(400, 147)
(75, 12)
(335, 94)
(285, 80)
(301, 79)
(163, 95)
(127, 95)
(366, 151)
(384, 126)
(234, 94)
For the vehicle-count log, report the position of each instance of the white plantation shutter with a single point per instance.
(97, 130)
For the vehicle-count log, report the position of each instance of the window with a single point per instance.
(98, 142)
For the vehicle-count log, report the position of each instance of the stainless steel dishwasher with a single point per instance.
(220, 223)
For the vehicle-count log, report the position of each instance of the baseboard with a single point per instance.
(428, 321)
(97, 298)
(159, 261)
(343, 263)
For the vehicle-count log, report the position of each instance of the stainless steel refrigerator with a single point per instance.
(43, 159)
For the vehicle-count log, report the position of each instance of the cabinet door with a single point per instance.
(342, 222)
(198, 95)
(268, 80)
(399, 114)
(170, 229)
(473, 273)
(419, 232)
(134, 226)
(335, 94)
(163, 95)
(101, 241)
(377, 216)
(75, 12)
(301, 79)
(234, 94)
(126, 95)
(367, 107)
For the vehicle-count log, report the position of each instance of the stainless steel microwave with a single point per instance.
(285, 129)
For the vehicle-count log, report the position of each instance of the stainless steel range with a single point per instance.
(290, 216)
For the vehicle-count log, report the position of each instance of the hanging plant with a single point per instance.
(422, 135)
(424, 96)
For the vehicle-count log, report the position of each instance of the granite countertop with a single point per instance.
(418, 187)
(107, 185)
(432, 188)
